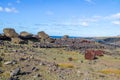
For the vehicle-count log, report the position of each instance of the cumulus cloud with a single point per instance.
(116, 22)
(8, 10)
(115, 16)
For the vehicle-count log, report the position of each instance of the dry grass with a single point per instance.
(111, 71)
(66, 65)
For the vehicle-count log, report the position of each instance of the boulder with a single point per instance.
(92, 54)
(42, 35)
(10, 32)
(89, 54)
(65, 37)
(15, 72)
(25, 34)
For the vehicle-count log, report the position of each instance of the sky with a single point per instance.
(83, 18)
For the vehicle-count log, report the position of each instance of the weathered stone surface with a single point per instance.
(92, 54)
(25, 34)
(89, 54)
(15, 72)
(17, 40)
(43, 35)
(10, 62)
(99, 53)
(9, 32)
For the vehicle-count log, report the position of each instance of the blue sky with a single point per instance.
(60, 17)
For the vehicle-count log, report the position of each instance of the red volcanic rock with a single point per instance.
(99, 53)
(89, 54)
(85, 41)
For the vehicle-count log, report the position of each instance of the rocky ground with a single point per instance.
(26, 62)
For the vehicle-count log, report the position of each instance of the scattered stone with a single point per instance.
(35, 69)
(1, 59)
(13, 78)
(101, 75)
(37, 75)
(22, 59)
(1, 71)
(10, 62)
(70, 59)
(15, 72)
(42, 63)
(81, 61)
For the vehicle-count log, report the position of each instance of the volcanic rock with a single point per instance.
(17, 40)
(43, 35)
(9, 32)
(15, 72)
(25, 34)
(65, 37)
(89, 54)
(10, 62)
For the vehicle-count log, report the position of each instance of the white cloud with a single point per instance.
(116, 16)
(1, 9)
(7, 9)
(113, 16)
(84, 24)
(116, 22)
